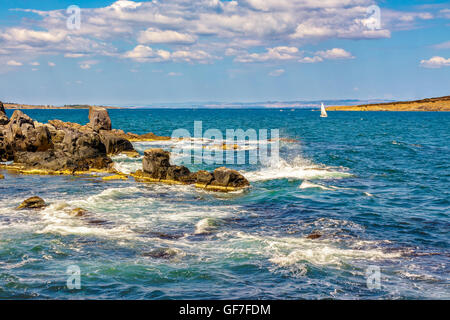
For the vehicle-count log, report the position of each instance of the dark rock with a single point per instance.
(204, 177)
(32, 203)
(314, 235)
(161, 253)
(115, 144)
(229, 178)
(3, 117)
(180, 173)
(156, 163)
(99, 119)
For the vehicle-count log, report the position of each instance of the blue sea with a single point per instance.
(374, 185)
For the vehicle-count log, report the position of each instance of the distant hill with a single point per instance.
(430, 104)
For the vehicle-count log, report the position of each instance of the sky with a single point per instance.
(148, 52)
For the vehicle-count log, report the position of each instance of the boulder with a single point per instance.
(115, 144)
(156, 163)
(229, 178)
(2, 176)
(180, 173)
(204, 177)
(314, 235)
(3, 117)
(99, 119)
(32, 203)
(22, 134)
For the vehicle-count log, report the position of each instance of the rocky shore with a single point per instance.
(430, 104)
(59, 147)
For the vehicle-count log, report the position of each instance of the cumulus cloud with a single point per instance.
(87, 64)
(51, 64)
(197, 31)
(435, 62)
(14, 63)
(152, 35)
(335, 53)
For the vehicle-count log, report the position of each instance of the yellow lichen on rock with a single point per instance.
(116, 177)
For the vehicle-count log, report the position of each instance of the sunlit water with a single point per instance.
(374, 184)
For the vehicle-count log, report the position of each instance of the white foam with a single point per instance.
(298, 169)
(206, 226)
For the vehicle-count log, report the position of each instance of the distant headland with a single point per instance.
(430, 104)
(68, 106)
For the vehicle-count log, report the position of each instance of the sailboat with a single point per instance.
(323, 112)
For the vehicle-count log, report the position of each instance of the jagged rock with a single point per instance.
(162, 253)
(99, 119)
(229, 178)
(2, 176)
(32, 203)
(22, 134)
(156, 163)
(3, 117)
(204, 177)
(180, 173)
(115, 144)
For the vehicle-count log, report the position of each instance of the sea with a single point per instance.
(373, 187)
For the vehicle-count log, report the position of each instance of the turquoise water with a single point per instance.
(374, 184)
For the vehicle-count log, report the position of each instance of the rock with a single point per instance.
(2, 176)
(99, 119)
(314, 235)
(3, 117)
(78, 212)
(180, 173)
(162, 253)
(204, 177)
(156, 163)
(32, 203)
(229, 178)
(115, 144)
(22, 134)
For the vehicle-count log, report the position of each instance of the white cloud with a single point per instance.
(174, 74)
(153, 35)
(271, 54)
(74, 55)
(35, 63)
(435, 62)
(143, 53)
(311, 59)
(87, 64)
(51, 64)
(335, 53)
(276, 73)
(14, 63)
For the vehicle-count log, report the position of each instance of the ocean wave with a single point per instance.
(298, 169)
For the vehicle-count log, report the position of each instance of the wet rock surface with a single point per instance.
(32, 203)
(156, 165)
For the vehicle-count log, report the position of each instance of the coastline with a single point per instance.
(432, 104)
(18, 106)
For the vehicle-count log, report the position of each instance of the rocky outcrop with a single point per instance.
(3, 117)
(32, 203)
(115, 144)
(156, 167)
(99, 119)
(2, 176)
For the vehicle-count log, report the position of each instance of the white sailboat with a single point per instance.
(323, 112)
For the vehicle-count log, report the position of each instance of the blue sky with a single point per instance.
(136, 53)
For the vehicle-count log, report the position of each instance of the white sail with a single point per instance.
(323, 112)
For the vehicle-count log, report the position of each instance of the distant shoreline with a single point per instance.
(19, 106)
(431, 104)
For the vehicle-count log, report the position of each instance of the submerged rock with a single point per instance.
(32, 203)
(314, 235)
(162, 253)
(78, 212)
